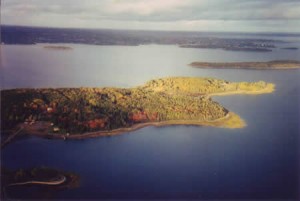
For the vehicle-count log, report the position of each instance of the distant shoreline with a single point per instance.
(269, 65)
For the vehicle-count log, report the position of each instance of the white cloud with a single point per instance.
(144, 7)
(248, 15)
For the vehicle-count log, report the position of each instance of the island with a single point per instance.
(229, 47)
(55, 47)
(290, 48)
(78, 113)
(48, 180)
(276, 64)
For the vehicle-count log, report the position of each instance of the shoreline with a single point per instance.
(231, 120)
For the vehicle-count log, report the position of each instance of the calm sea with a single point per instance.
(260, 161)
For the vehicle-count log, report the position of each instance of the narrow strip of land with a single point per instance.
(264, 91)
(55, 181)
(277, 64)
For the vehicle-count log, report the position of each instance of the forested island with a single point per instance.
(277, 64)
(89, 112)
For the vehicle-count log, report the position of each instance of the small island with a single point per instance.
(53, 47)
(90, 112)
(277, 64)
(48, 180)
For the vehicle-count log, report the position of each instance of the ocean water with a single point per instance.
(260, 161)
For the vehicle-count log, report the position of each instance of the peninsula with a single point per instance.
(90, 112)
(277, 64)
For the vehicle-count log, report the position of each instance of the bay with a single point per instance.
(259, 161)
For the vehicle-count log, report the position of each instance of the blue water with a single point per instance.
(260, 161)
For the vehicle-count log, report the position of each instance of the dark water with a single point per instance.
(260, 161)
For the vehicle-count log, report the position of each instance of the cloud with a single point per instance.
(144, 7)
(186, 13)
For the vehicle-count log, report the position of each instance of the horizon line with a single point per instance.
(151, 30)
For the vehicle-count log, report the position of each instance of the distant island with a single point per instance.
(89, 112)
(290, 48)
(280, 64)
(232, 47)
(55, 47)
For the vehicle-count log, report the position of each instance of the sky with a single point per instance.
(181, 15)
